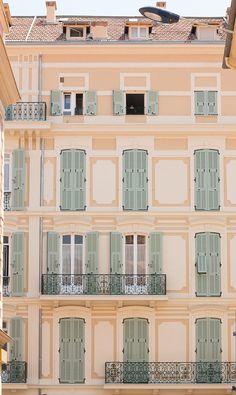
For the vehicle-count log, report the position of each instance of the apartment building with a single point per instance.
(8, 94)
(120, 196)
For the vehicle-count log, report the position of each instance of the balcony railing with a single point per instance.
(28, 111)
(103, 284)
(170, 372)
(6, 286)
(14, 372)
(7, 201)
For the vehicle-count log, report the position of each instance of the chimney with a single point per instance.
(99, 30)
(51, 11)
(161, 4)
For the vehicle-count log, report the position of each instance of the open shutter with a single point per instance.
(55, 103)
(142, 340)
(214, 353)
(79, 180)
(118, 103)
(214, 265)
(213, 177)
(202, 340)
(129, 340)
(201, 179)
(152, 103)
(17, 264)
(78, 350)
(212, 108)
(141, 190)
(18, 179)
(91, 102)
(9, 113)
(66, 350)
(92, 253)
(67, 179)
(116, 258)
(155, 253)
(200, 103)
(16, 342)
(201, 253)
(53, 253)
(129, 178)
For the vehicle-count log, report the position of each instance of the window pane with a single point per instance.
(67, 101)
(66, 259)
(78, 239)
(5, 239)
(143, 32)
(78, 264)
(66, 239)
(6, 176)
(134, 32)
(129, 254)
(5, 260)
(141, 255)
(76, 32)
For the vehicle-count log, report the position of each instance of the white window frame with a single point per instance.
(207, 33)
(135, 252)
(138, 37)
(71, 111)
(7, 161)
(72, 247)
(68, 30)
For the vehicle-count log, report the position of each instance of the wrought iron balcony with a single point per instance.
(7, 201)
(6, 286)
(170, 372)
(14, 372)
(103, 284)
(28, 111)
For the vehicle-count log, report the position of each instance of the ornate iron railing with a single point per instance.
(103, 284)
(7, 201)
(170, 372)
(14, 372)
(6, 286)
(28, 111)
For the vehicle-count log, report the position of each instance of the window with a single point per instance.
(73, 103)
(72, 254)
(206, 102)
(135, 180)
(138, 32)
(135, 104)
(135, 254)
(207, 180)
(208, 264)
(6, 273)
(76, 32)
(7, 173)
(5, 329)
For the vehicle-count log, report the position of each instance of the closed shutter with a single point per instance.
(55, 103)
(116, 258)
(201, 183)
(201, 252)
(214, 354)
(129, 178)
(67, 179)
(18, 179)
(17, 264)
(52, 253)
(79, 179)
(214, 270)
(129, 340)
(91, 102)
(92, 253)
(142, 340)
(79, 351)
(212, 108)
(155, 253)
(152, 102)
(66, 350)
(200, 104)
(16, 329)
(213, 180)
(118, 103)
(202, 339)
(141, 193)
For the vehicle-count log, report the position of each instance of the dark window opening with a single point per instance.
(79, 104)
(135, 104)
(76, 32)
(5, 257)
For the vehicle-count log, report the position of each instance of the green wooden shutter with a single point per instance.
(212, 108)
(9, 113)
(213, 180)
(116, 258)
(129, 340)
(52, 253)
(200, 103)
(201, 180)
(55, 103)
(141, 187)
(214, 270)
(92, 253)
(118, 103)
(91, 103)
(18, 179)
(78, 351)
(17, 264)
(214, 352)
(66, 350)
(155, 253)
(129, 179)
(79, 180)
(142, 340)
(67, 179)
(152, 103)
(202, 340)
(202, 255)
(16, 333)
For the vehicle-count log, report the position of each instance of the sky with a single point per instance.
(119, 7)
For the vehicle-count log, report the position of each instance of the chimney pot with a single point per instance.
(161, 4)
(51, 11)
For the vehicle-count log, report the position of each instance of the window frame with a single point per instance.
(71, 111)
(138, 37)
(72, 251)
(68, 32)
(135, 253)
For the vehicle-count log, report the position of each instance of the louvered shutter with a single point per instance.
(213, 180)
(202, 260)
(67, 179)
(78, 347)
(66, 350)
(17, 264)
(202, 339)
(18, 179)
(141, 187)
(16, 333)
(212, 108)
(92, 252)
(91, 102)
(118, 103)
(152, 103)
(9, 113)
(79, 179)
(129, 179)
(129, 340)
(200, 103)
(116, 258)
(155, 253)
(214, 353)
(214, 271)
(142, 340)
(201, 180)
(55, 102)
(53, 253)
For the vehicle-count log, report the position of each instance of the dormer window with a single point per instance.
(138, 32)
(206, 32)
(76, 31)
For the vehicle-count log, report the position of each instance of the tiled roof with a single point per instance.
(39, 31)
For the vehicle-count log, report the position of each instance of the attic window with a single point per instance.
(206, 32)
(138, 32)
(76, 32)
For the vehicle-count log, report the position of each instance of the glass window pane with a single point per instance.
(6, 176)
(76, 32)
(78, 239)
(78, 264)
(66, 239)
(134, 32)
(66, 259)
(143, 32)
(129, 239)
(5, 239)
(141, 255)
(67, 100)
(5, 260)
(129, 259)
